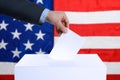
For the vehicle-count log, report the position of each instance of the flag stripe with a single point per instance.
(112, 68)
(96, 42)
(93, 17)
(11, 77)
(7, 77)
(97, 29)
(7, 68)
(110, 29)
(111, 55)
(113, 77)
(86, 5)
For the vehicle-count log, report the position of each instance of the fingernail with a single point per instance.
(66, 30)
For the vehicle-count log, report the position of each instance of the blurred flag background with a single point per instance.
(18, 38)
(99, 22)
(96, 20)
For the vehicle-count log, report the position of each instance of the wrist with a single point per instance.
(48, 16)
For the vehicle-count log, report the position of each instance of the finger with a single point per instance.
(61, 27)
(59, 32)
(64, 23)
(66, 20)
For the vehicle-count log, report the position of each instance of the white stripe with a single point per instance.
(100, 42)
(94, 17)
(8, 68)
(113, 67)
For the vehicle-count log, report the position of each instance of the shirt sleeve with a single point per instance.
(44, 15)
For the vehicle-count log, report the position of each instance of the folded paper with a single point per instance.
(67, 46)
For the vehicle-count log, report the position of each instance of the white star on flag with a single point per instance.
(3, 25)
(40, 35)
(3, 44)
(40, 52)
(28, 26)
(14, 19)
(16, 53)
(16, 34)
(39, 1)
(28, 45)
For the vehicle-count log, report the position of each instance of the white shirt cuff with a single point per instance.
(44, 15)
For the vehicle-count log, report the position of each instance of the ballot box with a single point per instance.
(42, 67)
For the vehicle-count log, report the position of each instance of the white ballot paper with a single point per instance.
(67, 46)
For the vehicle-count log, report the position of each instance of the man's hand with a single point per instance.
(59, 19)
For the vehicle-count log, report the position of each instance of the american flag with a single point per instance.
(99, 22)
(18, 38)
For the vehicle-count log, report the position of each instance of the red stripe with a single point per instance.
(109, 55)
(113, 77)
(11, 77)
(96, 29)
(6, 77)
(86, 5)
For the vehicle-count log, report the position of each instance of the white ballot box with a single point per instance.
(42, 67)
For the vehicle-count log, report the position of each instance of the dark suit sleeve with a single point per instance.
(21, 9)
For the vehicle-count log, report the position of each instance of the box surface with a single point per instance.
(42, 67)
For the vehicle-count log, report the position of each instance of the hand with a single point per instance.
(59, 19)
